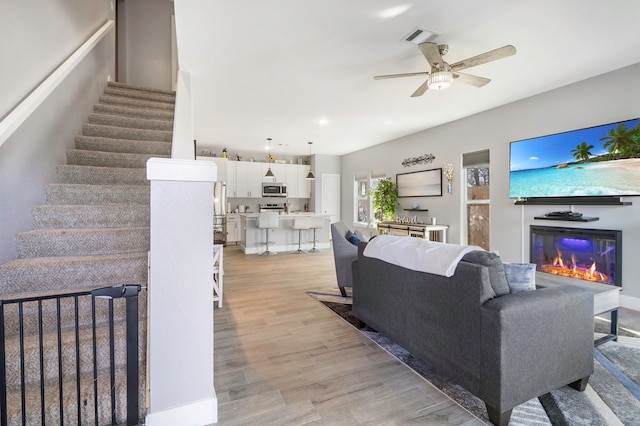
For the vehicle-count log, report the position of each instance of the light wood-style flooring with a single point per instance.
(282, 358)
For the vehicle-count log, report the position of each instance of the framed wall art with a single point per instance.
(426, 183)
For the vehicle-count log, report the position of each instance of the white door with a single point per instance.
(331, 196)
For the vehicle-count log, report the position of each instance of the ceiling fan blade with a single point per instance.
(431, 52)
(420, 91)
(483, 58)
(407, 74)
(473, 80)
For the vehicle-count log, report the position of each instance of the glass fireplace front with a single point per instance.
(593, 255)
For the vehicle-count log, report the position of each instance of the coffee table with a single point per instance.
(606, 299)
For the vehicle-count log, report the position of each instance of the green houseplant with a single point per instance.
(385, 197)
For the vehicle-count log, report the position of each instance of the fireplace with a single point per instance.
(593, 255)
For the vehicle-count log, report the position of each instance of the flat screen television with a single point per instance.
(596, 162)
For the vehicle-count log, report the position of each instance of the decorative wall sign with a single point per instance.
(423, 159)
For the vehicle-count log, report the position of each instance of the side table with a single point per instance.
(606, 299)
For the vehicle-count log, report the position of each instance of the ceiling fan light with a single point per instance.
(440, 80)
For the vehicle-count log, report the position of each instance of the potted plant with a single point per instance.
(385, 197)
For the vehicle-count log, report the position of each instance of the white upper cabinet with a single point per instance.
(221, 165)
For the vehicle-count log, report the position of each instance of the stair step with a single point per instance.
(124, 86)
(81, 242)
(130, 122)
(89, 216)
(95, 143)
(83, 157)
(101, 175)
(89, 129)
(68, 347)
(70, 404)
(154, 114)
(135, 102)
(73, 193)
(140, 94)
(75, 272)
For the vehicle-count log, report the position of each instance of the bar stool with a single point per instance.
(316, 223)
(301, 224)
(266, 221)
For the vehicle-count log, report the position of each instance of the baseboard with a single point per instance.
(199, 413)
(630, 302)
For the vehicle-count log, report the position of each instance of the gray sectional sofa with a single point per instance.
(504, 348)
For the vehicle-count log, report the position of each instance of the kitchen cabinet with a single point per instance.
(292, 180)
(304, 185)
(278, 170)
(221, 166)
(233, 228)
(231, 178)
(249, 179)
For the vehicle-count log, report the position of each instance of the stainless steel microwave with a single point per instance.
(272, 189)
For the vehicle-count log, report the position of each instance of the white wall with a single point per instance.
(603, 99)
(145, 43)
(43, 34)
(181, 374)
(37, 37)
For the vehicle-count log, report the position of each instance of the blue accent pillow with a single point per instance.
(352, 238)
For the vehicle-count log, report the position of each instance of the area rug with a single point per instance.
(611, 398)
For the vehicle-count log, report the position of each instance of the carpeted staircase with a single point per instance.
(92, 232)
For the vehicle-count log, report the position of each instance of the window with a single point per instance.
(363, 204)
(364, 182)
(476, 166)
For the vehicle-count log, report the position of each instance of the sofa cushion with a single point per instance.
(520, 276)
(492, 261)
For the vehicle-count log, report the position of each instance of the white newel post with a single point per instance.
(181, 293)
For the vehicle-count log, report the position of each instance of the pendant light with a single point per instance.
(310, 176)
(269, 173)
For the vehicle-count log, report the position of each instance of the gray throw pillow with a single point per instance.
(496, 269)
(520, 276)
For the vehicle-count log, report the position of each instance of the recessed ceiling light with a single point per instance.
(392, 12)
(323, 121)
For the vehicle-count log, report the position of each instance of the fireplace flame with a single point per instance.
(573, 270)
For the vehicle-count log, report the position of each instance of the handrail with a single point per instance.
(21, 112)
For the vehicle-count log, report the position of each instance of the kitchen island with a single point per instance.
(284, 238)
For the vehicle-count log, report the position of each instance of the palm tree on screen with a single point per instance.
(582, 152)
(619, 141)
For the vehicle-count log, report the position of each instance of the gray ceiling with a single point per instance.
(274, 68)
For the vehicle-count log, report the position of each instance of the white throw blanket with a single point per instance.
(418, 254)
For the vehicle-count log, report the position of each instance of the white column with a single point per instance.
(181, 293)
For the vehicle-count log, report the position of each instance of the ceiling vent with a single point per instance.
(420, 35)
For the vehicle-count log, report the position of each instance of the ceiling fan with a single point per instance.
(442, 74)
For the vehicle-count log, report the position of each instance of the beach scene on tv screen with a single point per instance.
(597, 161)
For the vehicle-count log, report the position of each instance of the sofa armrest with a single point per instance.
(344, 253)
(534, 342)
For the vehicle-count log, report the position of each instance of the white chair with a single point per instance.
(301, 224)
(266, 221)
(218, 274)
(316, 223)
